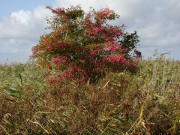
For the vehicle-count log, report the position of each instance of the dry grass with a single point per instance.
(122, 103)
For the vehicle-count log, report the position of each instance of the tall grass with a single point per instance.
(121, 103)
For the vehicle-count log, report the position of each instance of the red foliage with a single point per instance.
(82, 47)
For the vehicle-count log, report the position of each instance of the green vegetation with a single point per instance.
(147, 102)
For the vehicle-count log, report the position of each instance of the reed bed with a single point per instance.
(146, 103)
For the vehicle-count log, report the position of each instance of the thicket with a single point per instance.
(84, 47)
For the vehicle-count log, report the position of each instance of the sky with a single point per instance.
(157, 23)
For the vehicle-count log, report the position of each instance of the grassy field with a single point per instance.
(147, 103)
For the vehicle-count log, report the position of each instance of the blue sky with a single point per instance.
(9, 6)
(22, 22)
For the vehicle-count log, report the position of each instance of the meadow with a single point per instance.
(145, 103)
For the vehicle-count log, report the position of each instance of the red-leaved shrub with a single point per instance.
(84, 47)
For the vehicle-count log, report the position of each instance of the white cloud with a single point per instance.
(20, 31)
(24, 24)
(22, 17)
(172, 9)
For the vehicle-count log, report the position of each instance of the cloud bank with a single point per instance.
(156, 22)
(19, 32)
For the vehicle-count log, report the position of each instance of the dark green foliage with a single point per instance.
(129, 40)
